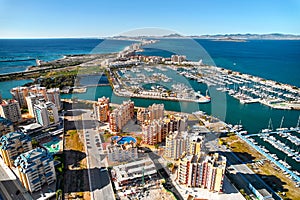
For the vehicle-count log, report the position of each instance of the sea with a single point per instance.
(276, 60)
(270, 59)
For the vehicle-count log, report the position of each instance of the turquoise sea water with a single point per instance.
(17, 54)
(276, 60)
(271, 59)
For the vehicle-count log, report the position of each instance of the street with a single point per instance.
(238, 172)
(100, 184)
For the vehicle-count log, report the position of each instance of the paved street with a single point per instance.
(240, 173)
(99, 178)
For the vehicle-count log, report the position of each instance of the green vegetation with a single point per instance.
(24, 110)
(34, 143)
(91, 70)
(247, 197)
(170, 165)
(59, 175)
(55, 82)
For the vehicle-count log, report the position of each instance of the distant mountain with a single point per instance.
(248, 36)
(173, 35)
(221, 37)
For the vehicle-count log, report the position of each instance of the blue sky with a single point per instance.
(96, 18)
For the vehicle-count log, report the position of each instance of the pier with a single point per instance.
(295, 177)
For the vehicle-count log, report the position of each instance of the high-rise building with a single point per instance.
(121, 115)
(152, 133)
(31, 100)
(53, 95)
(157, 130)
(156, 111)
(12, 145)
(6, 126)
(11, 110)
(146, 115)
(46, 114)
(195, 145)
(205, 171)
(143, 115)
(36, 89)
(19, 94)
(177, 145)
(35, 169)
(101, 109)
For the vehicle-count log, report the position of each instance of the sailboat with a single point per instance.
(280, 128)
(297, 128)
(270, 127)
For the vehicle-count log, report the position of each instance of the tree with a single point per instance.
(34, 143)
(170, 165)
(156, 146)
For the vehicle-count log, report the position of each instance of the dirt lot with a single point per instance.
(76, 185)
(273, 176)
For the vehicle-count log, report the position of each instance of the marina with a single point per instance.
(282, 147)
(155, 82)
(246, 88)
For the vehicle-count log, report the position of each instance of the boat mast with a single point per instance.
(281, 122)
(270, 126)
(298, 122)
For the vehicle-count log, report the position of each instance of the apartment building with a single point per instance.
(12, 145)
(46, 113)
(6, 126)
(35, 169)
(205, 171)
(121, 115)
(101, 109)
(11, 110)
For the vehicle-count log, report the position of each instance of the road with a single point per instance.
(10, 186)
(241, 174)
(100, 184)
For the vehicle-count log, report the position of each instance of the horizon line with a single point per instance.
(115, 36)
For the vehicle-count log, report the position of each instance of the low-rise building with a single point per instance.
(122, 153)
(35, 169)
(12, 145)
(178, 58)
(133, 171)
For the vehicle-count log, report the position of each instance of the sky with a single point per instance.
(101, 18)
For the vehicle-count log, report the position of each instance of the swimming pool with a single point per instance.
(52, 146)
(124, 139)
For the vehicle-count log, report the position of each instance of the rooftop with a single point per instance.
(5, 121)
(9, 139)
